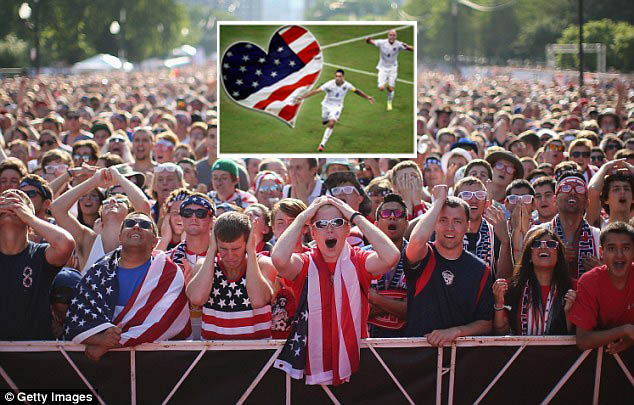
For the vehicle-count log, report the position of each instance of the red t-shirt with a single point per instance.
(599, 304)
(358, 257)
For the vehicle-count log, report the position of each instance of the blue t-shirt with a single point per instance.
(129, 280)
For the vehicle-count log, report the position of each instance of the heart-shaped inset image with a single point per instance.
(270, 82)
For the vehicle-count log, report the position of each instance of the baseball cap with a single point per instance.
(226, 165)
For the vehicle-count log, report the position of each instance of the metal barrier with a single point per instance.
(398, 370)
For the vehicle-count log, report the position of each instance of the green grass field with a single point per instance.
(362, 128)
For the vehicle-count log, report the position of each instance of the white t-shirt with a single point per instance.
(335, 94)
(389, 53)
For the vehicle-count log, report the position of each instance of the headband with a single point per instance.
(264, 176)
(165, 142)
(198, 200)
(571, 180)
(38, 185)
(177, 197)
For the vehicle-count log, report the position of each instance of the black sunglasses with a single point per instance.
(32, 193)
(551, 244)
(580, 154)
(143, 223)
(597, 158)
(47, 143)
(201, 213)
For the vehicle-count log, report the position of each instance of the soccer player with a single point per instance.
(332, 104)
(388, 63)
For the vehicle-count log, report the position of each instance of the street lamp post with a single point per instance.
(580, 46)
(25, 12)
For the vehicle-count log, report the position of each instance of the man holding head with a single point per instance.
(449, 290)
(332, 282)
(129, 297)
(28, 268)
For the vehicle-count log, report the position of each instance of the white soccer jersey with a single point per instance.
(389, 53)
(335, 94)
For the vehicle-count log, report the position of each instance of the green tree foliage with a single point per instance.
(13, 52)
(617, 36)
(71, 30)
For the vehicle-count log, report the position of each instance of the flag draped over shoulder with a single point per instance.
(158, 309)
(326, 353)
(271, 81)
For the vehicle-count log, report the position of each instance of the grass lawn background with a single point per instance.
(362, 128)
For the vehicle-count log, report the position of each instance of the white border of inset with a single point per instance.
(308, 24)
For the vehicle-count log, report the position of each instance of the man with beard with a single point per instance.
(581, 241)
(611, 188)
(487, 236)
(142, 145)
(388, 303)
(449, 290)
(332, 279)
(603, 309)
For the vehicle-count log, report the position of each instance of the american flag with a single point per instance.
(271, 81)
(158, 309)
(323, 345)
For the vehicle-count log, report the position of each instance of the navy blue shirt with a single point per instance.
(444, 293)
(25, 282)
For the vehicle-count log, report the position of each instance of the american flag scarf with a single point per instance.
(327, 354)
(270, 82)
(158, 309)
(584, 242)
(535, 320)
(484, 245)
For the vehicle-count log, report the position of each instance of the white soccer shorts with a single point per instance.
(387, 76)
(330, 113)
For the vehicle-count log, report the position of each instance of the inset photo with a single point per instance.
(316, 88)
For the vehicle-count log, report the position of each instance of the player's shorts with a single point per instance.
(329, 112)
(387, 76)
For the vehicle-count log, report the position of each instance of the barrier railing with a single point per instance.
(472, 370)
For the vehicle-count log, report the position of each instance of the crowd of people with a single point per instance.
(120, 225)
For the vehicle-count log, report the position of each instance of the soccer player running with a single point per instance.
(332, 104)
(388, 62)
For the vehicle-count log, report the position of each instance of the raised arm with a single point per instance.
(309, 94)
(287, 264)
(385, 254)
(408, 47)
(137, 198)
(199, 287)
(370, 41)
(417, 247)
(258, 288)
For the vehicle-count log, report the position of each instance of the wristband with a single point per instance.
(353, 216)
(498, 309)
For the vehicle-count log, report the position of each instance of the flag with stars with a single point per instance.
(228, 314)
(270, 82)
(324, 341)
(158, 309)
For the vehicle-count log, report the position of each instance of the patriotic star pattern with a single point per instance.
(158, 309)
(270, 82)
(228, 313)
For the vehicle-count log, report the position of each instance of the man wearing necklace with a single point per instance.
(604, 309)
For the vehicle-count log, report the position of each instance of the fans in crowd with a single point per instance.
(536, 170)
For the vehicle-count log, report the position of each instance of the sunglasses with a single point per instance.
(50, 169)
(116, 140)
(72, 117)
(47, 143)
(502, 166)
(200, 213)
(611, 146)
(468, 195)
(271, 188)
(597, 158)
(386, 213)
(567, 188)
(525, 199)
(112, 200)
(550, 244)
(382, 193)
(580, 154)
(32, 193)
(555, 147)
(325, 223)
(343, 190)
(143, 223)
(165, 168)
(85, 158)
